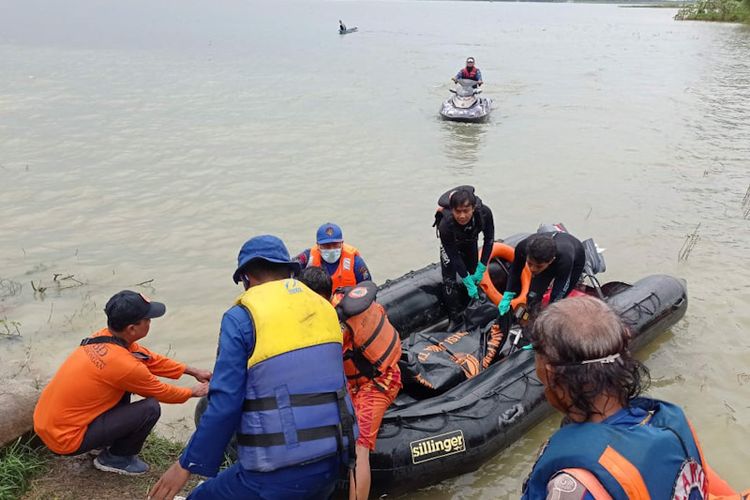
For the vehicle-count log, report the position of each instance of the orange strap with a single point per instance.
(625, 473)
(590, 482)
(717, 487)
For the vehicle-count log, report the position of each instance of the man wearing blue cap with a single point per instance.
(278, 384)
(341, 261)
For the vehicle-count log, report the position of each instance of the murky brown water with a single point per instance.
(148, 140)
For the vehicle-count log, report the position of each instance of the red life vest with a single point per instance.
(344, 274)
(469, 75)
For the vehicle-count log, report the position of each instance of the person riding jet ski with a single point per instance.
(470, 72)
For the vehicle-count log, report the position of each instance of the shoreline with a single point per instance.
(30, 471)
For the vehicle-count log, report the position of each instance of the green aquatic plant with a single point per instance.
(732, 11)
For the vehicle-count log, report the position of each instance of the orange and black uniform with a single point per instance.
(86, 405)
(372, 348)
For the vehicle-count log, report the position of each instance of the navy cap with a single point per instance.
(266, 247)
(329, 233)
(128, 307)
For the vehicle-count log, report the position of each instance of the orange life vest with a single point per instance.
(505, 252)
(371, 343)
(344, 274)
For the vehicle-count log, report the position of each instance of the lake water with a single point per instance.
(145, 141)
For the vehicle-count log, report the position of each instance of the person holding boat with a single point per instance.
(341, 261)
(635, 447)
(372, 349)
(278, 385)
(469, 72)
(552, 257)
(86, 406)
(460, 218)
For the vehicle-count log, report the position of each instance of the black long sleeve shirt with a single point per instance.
(569, 250)
(457, 239)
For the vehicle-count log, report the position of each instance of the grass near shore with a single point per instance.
(20, 462)
(30, 471)
(730, 11)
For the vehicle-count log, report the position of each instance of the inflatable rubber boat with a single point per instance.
(348, 30)
(423, 441)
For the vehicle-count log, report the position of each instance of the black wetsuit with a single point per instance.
(565, 270)
(458, 253)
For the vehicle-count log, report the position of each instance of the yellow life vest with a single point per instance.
(288, 316)
(297, 409)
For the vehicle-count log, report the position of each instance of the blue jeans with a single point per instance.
(314, 481)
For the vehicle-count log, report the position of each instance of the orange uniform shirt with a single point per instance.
(93, 380)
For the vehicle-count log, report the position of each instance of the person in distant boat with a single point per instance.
(342, 26)
(470, 72)
(614, 443)
(340, 260)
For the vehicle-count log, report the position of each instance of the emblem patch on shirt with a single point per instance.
(439, 446)
(691, 482)
(358, 292)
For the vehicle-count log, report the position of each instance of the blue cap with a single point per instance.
(329, 233)
(266, 247)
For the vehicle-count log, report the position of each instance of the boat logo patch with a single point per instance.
(439, 446)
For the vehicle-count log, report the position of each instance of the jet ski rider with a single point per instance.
(470, 72)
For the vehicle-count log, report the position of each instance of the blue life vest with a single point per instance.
(657, 459)
(297, 409)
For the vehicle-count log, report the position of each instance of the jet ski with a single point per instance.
(466, 105)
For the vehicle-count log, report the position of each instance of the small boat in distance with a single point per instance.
(343, 30)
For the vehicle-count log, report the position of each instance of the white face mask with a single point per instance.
(331, 256)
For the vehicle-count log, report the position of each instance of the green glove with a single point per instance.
(479, 273)
(504, 305)
(471, 288)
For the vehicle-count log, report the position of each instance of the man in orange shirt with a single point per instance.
(86, 406)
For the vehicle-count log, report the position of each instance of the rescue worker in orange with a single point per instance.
(341, 261)
(86, 406)
(614, 444)
(372, 348)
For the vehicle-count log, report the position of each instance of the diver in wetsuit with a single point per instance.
(459, 220)
(555, 256)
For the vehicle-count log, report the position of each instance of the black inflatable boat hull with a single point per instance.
(421, 443)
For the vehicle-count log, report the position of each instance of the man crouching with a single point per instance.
(86, 406)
